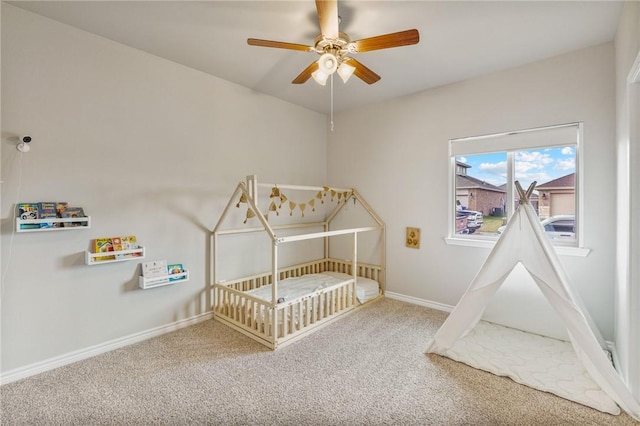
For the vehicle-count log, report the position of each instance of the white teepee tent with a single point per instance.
(524, 242)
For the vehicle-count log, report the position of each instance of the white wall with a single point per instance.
(627, 323)
(154, 149)
(147, 147)
(396, 153)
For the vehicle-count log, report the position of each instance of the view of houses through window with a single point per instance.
(485, 194)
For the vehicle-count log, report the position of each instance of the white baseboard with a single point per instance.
(70, 358)
(59, 361)
(416, 301)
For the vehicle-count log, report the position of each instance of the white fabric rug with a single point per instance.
(540, 362)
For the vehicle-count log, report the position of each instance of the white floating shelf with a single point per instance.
(114, 256)
(59, 224)
(147, 283)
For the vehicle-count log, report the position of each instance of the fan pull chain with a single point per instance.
(332, 102)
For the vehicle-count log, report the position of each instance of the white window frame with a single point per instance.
(510, 142)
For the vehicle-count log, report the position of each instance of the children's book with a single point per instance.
(47, 209)
(154, 269)
(72, 212)
(27, 211)
(130, 242)
(118, 246)
(60, 207)
(103, 245)
(175, 268)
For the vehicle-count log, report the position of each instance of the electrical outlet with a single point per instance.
(413, 238)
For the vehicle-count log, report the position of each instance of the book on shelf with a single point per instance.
(117, 243)
(154, 269)
(117, 246)
(60, 207)
(28, 211)
(103, 245)
(72, 212)
(46, 210)
(120, 244)
(130, 242)
(173, 269)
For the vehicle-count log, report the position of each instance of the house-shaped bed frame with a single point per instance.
(276, 322)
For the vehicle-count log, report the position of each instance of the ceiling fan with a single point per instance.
(334, 48)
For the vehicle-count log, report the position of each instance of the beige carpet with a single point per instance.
(366, 369)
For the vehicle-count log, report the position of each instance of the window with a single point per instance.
(485, 169)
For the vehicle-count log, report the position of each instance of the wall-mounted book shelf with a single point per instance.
(147, 283)
(113, 256)
(56, 224)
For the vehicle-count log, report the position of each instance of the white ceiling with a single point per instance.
(458, 39)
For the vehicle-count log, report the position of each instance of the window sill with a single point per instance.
(489, 243)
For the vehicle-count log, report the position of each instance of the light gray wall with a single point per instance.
(154, 149)
(147, 147)
(396, 153)
(627, 323)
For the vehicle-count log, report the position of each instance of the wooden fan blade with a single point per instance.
(304, 75)
(362, 72)
(402, 38)
(278, 44)
(328, 18)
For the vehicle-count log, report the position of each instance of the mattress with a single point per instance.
(366, 288)
(295, 287)
(539, 362)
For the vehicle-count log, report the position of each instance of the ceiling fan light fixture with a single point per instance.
(328, 63)
(345, 71)
(320, 77)
(333, 45)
